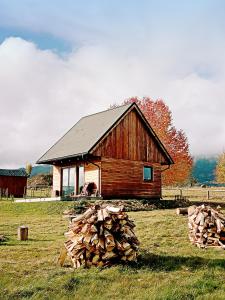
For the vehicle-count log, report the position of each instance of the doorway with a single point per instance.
(68, 181)
(80, 179)
(72, 180)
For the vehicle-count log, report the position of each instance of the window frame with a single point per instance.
(68, 169)
(151, 172)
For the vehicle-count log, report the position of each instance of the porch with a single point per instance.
(77, 180)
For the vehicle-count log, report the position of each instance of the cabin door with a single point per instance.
(68, 181)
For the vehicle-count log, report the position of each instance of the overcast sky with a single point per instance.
(60, 60)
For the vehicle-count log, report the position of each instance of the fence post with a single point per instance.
(181, 192)
(207, 194)
(24, 192)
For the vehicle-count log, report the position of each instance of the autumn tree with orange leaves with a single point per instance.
(159, 117)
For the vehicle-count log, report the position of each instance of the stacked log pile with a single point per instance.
(206, 227)
(101, 236)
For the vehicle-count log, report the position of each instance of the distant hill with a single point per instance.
(204, 169)
(42, 169)
(40, 180)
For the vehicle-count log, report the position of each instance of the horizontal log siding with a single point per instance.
(124, 178)
(130, 140)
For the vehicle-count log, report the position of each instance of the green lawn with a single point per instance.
(169, 267)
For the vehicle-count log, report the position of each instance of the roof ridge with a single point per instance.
(100, 112)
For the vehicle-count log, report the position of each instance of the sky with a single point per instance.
(61, 60)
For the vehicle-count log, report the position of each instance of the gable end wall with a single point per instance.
(131, 140)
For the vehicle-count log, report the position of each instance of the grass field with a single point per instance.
(169, 267)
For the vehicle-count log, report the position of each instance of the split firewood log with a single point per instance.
(186, 210)
(182, 211)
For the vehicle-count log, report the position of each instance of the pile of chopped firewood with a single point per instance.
(101, 236)
(206, 227)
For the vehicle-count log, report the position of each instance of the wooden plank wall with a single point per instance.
(15, 184)
(131, 140)
(124, 178)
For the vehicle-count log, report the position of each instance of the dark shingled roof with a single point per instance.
(88, 131)
(15, 172)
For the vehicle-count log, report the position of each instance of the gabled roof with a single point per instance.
(88, 132)
(14, 172)
(84, 134)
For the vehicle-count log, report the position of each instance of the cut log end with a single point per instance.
(22, 233)
(182, 211)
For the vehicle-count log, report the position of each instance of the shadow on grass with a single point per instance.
(167, 263)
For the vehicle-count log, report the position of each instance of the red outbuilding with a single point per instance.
(13, 182)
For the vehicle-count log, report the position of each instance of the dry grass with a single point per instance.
(168, 266)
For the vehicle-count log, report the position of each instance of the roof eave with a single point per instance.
(50, 161)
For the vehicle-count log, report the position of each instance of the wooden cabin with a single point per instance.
(13, 182)
(116, 149)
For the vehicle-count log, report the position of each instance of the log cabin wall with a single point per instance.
(15, 185)
(124, 178)
(131, 140)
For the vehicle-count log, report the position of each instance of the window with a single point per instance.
(148, 173)
(68, 180)
(80, 178)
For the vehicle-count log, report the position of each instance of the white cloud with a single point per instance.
(42, 95)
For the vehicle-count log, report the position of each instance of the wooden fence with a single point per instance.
(204, 193)
(4, 193)
(37, 192)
